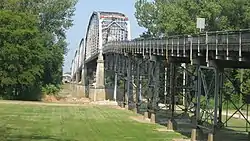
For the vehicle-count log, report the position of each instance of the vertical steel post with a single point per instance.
(241, 86)
(138, 84)
(247, 124)
(220, 98)
(216, 97)
(165, 87)
(172, 47)
(184, 85)
(172, 88)
(227, 52)
(116, 77)
(190, 39)
(140, 89)
(216, 46)
(199, 53)
(150, 91)
(128, 81)
(156, 78)
(184, 47)
(240, 47)
(134, 85)
(115, 88)
(178, 47)
(198, 93)
(207, 50)
(124, 95)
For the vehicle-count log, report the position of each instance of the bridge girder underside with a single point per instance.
(158, 66)
(155, 80)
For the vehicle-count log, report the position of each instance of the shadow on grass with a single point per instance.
(230, 135)
(6, 135)
(182, 124)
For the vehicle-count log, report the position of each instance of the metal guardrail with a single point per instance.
(218, 41)
(227, 39)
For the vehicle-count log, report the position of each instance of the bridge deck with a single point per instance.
(230, 46)
(231, 41)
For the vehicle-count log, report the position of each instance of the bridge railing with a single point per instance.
(218, 40)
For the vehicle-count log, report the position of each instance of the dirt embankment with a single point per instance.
(65, 99)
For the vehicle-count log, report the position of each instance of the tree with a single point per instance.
(179, 16)
(40, 40)
(146, 16)
(21, 51)
(56, 18)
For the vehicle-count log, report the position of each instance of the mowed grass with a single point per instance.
(85, 123)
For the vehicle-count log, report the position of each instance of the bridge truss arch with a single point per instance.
(104, 27)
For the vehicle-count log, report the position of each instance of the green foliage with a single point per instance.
(51, 89)
(21, 62)
(243, 76)
(179, 17)
(32, 45)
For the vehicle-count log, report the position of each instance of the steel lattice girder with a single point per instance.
(103, 27)
(231, 46)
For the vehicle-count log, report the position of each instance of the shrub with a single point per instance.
(51, 89)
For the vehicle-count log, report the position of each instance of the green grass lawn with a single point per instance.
(86, 123)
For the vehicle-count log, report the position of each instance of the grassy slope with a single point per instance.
(50, 123)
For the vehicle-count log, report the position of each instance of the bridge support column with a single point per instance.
(184, 83)
(83, 81)
(172, 88)
(116, 66)
(153, 85)
(138, 87)
(128, 97)
(198, 94)
(77, 77)
(76, 87)
(135, 83)
(115, 87)
(155, 71)
(83, 78)
(100, 93)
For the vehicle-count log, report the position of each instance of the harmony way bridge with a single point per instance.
(179, 72)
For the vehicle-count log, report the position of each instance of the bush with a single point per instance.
(51, 89)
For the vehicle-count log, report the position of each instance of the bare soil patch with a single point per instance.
(181, 140)
(49, 98)
(105, 102)
(140, 119)
(65, 99)
(164, 130)
(79, 100)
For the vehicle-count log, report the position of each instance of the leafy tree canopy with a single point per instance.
(170, 17)
(32, 44)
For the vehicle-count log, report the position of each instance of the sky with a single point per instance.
(84, 9)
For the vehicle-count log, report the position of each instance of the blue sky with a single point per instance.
(84, 9)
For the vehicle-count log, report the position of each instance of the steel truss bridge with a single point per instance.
(186, 70)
